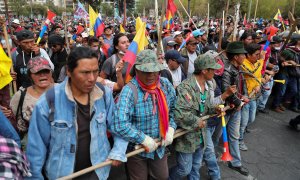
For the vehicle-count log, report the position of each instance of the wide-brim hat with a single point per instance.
(236, 48)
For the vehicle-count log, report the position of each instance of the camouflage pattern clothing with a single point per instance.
(187, 113)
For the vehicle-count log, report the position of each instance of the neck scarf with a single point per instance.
(157, 94)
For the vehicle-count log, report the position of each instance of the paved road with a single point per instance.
(274, 151)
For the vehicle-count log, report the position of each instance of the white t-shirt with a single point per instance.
(191, 67)
(176, 76)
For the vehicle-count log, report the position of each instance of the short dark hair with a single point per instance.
(230, 55)
(252, 48)
(245, 35)
(92, 40)
(77, 54)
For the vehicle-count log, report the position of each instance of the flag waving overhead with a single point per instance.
(279, 17)
(80, 12)
(170, 12)
(99, 26)
(50, 16)
(137, 45)
(93, 16)
(5, 65)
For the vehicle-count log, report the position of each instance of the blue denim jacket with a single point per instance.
(53, 145)
(7, 130)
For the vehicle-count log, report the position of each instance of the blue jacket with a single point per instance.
(53, 145)
(7, 130)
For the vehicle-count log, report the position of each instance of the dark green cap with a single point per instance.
(236, 48)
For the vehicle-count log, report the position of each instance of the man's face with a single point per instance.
(254, 57)
(248, 40)
(191, 46)
(147, 78)
(108, 31)
(239, 58)
(84, 76)
(95, 45)
(173, 64)
(56, 48)
(208, 74)
(57, 30)
(204, 38)
(27, 44)
(178, 39)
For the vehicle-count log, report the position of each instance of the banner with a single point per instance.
(80, 12)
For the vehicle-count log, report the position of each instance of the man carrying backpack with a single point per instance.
(68, 124)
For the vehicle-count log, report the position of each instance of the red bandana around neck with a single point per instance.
(157, 94)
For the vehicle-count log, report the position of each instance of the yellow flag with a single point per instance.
(140, 38)
(122, 30)
(5, 65)
(93, 16)
(138, 24)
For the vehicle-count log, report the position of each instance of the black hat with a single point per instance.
(174, 55)
(236, 48)
(55, 39)
(295, 37)
(276, 39)
(25, 34)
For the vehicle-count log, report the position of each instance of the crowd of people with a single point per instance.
(74, 108)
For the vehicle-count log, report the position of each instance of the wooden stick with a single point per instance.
(2, 21)
(178, 133)
(255, 9)
(298, 65)
(187, 14)
(160, 48)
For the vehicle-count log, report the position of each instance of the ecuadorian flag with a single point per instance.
(137, 45)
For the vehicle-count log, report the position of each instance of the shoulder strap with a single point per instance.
(101, 86)
(134, 89)
(21, 101)
(50, 97)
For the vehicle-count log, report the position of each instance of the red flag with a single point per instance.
(171, 7)
(245, 20)
(80, 29)
(105, 48)
(50, 16)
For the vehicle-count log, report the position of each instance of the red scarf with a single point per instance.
(157, 94)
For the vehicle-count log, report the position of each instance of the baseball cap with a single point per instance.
(205, 61)
(174, 55)
(16, 21)
(37, 64)
(147, 61)
(198, 32)
(25, 34)
(176, 33)
(55, 39)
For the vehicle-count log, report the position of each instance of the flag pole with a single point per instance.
(187, 13)
(237, 11)
(255, 9)
(65, 27)
(221, 31)
(124, 21)
(2, 22)
(160, 28)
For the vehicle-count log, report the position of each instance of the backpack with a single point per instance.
(50, 97)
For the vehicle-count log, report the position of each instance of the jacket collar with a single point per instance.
(95, 94)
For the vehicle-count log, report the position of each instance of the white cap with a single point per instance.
(258, 31)
(176, 33)
(16, 21)
(84, 35)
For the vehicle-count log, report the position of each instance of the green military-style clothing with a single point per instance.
(187, 113)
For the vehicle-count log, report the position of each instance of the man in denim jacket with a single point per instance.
(76, 137)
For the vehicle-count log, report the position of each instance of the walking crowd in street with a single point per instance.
(79, 103)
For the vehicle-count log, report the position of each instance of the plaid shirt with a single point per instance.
(133, 121)
(13, 163)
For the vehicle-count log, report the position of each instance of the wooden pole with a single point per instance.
(221, 33)
(187, 13)
(255, 9)
(207, 18)
(159, 40)
(2, 22)
(124, 22)
(293, 8)
(249, 11)
(65, 27)
(237, 13)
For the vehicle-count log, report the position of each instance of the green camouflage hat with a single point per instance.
(205, 61)
(146, 61)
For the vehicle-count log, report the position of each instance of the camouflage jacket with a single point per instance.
(187, 113)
